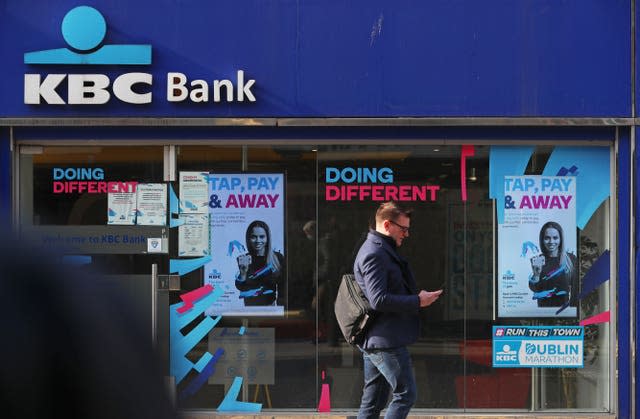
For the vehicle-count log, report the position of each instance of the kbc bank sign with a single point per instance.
(84, 29)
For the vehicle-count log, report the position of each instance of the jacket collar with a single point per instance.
(382, 237)
(389, 245)
(386, 242)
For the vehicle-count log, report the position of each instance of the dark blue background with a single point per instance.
(350, 58)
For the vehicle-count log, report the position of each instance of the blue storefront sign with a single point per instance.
(331, 58)
(538, 346)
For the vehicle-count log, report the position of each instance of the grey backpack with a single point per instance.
(353, 311)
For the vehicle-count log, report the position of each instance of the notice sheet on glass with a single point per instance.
(121, 207)
(193, 235)
(194, 192)
(151, 204)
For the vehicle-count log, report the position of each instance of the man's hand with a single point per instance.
(428, 297)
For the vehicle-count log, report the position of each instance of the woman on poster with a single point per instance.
(554, 278)
(261, 270)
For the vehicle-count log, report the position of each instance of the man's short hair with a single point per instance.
(391, 210)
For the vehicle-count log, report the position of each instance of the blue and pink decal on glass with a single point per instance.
(194, 304)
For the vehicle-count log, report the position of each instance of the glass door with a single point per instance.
(78, 202)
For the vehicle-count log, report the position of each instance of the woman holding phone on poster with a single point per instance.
(261, 269)
(554, 277)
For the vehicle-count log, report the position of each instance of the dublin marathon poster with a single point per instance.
(537, 262)
(247, 244)
(538, 346)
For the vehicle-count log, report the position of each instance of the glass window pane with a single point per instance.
(331, 197)
(347, 205)
(286, 378)
(53, 180)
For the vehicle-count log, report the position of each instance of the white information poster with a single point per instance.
(537, 264)
(193, 235)
(151, 204)
(121, 207)
(247, 244)
(194, 192)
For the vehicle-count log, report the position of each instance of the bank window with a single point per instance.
(508, 232)
(517, 236)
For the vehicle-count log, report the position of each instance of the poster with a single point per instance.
(194, 192)
(122, 207)
(151, 204)
(538, 346)
(247, 244)
(193, 235)
(537, 248)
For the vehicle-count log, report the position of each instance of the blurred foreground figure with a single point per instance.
(71, 346)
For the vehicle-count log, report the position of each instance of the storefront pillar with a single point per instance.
(625, 228)
(5, 176)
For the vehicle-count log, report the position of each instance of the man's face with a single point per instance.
(398, 229)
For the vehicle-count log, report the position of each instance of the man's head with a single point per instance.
(393, 220)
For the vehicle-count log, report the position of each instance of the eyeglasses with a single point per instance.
(404, 229)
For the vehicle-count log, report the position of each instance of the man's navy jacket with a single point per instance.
(389, 285)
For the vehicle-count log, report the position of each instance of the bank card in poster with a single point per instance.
(194, 192)
(537, 248)
(121, 208)
(151, 203)
(193, 235)
(247, 244)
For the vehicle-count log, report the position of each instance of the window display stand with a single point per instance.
(267, 395)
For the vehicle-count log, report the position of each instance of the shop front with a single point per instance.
(222, 162)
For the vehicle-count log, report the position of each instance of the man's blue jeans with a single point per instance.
(384, 370)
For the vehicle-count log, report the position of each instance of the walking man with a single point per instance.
(389, 285)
